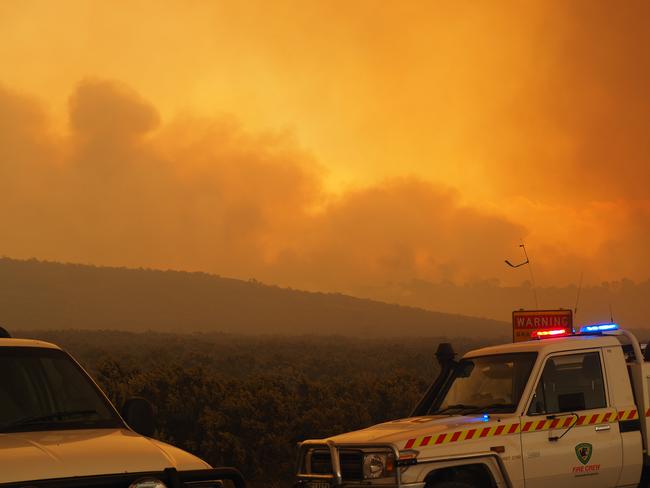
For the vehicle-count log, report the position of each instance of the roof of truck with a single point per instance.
(7, 342)
(546, 346)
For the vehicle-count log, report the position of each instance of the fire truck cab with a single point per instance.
(563, 410)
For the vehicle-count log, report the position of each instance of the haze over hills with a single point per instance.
(627, 301)
(48, 295)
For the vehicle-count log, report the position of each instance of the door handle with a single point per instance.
(600, 428)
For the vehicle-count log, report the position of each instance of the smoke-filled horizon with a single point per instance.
(383, 147)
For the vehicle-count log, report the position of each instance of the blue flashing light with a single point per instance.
(485, 417)
(598, 328)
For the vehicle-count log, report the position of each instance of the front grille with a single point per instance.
(351, 464)
(203, 478)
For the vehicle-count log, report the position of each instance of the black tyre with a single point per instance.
(450, 484)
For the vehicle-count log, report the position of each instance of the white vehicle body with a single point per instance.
(72, 453)
(39, 453)
(581, 420)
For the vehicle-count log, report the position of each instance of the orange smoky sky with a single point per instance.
(329, 145)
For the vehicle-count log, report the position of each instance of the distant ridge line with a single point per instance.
(38, 294)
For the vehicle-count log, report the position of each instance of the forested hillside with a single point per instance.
(45, 295)
(246, 401)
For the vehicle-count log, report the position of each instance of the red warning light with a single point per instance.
(546, 334)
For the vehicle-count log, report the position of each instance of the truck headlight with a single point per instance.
(378, 465)
(148, 483)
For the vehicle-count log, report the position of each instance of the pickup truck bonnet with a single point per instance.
(399, 431)
(66, 453)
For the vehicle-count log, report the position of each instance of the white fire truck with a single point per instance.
(562, 410)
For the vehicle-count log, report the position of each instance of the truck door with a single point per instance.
(569, 434)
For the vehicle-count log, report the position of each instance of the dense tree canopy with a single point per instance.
(247, 401)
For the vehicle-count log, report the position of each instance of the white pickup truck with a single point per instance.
(564, 410)
(58, 430)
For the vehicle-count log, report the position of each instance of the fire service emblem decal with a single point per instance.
(583, 452)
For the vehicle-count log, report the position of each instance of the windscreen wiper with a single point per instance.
(494, 406)
(465, 409)
(61, 415)
(457, 406)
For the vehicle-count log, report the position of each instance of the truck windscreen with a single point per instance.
(44, 389)
(488, 384)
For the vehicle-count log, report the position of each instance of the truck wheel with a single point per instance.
(450, 484)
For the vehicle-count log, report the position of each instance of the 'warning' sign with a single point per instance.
(525, 322)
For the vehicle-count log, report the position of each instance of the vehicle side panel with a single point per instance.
(623, 399)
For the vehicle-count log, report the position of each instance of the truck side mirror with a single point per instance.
(139, 415)
(464, 369)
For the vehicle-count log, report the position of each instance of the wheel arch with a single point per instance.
(473, 473)
(487, 468)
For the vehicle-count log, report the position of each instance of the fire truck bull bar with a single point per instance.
(336, 477)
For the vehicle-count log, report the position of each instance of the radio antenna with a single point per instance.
(530, 269)
(575, 310)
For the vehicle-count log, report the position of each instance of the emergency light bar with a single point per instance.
(547, 334)
(598, 328)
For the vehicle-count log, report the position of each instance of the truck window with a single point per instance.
(569, 384)
(44, 389)
(488, 384)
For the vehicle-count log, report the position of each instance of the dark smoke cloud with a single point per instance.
(124, 188)
(401, 229)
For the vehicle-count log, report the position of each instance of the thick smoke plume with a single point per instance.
(519, 120)
(123, 188)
